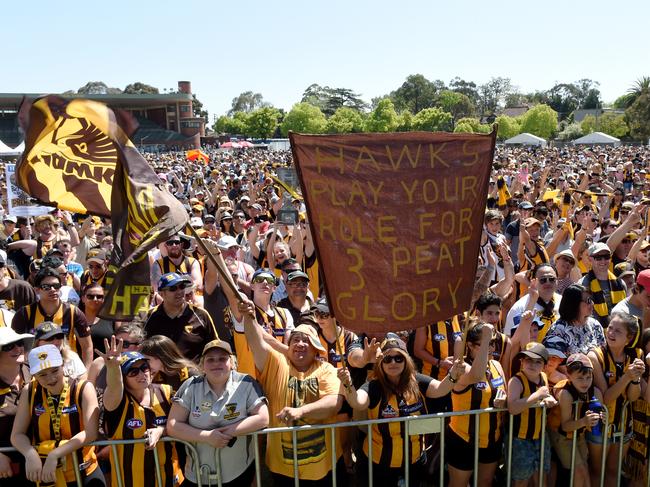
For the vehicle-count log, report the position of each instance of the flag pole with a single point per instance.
(219, 263)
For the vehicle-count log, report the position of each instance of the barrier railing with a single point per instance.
(413, 426)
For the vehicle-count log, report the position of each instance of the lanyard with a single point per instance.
(55, 415)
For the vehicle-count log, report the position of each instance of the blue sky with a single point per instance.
(367, 46)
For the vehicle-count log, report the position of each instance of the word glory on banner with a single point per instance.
(397, 221)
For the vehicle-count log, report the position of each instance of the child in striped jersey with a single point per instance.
(526, 390)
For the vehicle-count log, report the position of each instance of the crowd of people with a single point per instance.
(558, 322)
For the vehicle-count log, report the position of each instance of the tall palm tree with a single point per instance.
(640, 86)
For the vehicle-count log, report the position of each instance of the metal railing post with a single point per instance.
(334, 458)
(370, 479)
(477, 432)
(542, 446)
(407, 451)
(156, 460)
(294, 441)
(574, 445)
(603, 458)
(256, 453)
(443, 426)
(511, 425)
(117, 466)
(217, 460)
(75, 464)
(619, 468)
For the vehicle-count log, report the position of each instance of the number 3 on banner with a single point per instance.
(356, 268)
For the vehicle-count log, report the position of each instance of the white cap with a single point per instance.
(45, 357)
(226, 242)
(196, 222)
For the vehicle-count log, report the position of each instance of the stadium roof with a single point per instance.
(117, 100)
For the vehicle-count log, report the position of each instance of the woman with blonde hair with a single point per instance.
(168, 365)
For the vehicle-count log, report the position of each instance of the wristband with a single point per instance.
(451, 379)
(635, 382)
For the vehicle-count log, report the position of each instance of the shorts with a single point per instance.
(460, 453)
(562, 446)
(598, 439)
(525, 457)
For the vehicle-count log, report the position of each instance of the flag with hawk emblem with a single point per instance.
(78, 155)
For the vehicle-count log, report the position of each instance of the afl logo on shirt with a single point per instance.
(439, 337)
(481, 386)
(38, 410)
(389, 412)
(134, 424)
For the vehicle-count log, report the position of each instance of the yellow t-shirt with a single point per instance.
(285, 386)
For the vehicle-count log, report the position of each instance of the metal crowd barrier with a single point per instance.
(430, 423)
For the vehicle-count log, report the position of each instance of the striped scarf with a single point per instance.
(617, 293)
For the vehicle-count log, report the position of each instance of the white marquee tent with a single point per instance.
(5, 150)
(526, 139)
(597, 138)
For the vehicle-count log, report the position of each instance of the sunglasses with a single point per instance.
(398, 359)
(135, 371)
(95, 297)
(129, 344)
(10, 346)
(175, 287)
(546, 280)
(171, 243)
(600, 258)
(267, 279)
(47, 287)
(58, 336)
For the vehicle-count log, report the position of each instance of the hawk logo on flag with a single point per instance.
(71, 161)
(78, 156)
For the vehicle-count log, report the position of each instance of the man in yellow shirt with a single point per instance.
(301, 389)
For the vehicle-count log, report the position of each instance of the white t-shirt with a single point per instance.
(514, 315)
(73, 367)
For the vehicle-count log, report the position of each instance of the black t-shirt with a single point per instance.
(17, 294)
(99, 331)
(191, 331)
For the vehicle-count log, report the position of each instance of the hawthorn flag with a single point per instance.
(78, 156)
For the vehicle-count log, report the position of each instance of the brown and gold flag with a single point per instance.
(396, 220)
(78, 155)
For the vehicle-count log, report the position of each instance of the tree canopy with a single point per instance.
(304, 118)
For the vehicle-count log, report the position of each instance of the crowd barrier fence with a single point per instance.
(413, 426)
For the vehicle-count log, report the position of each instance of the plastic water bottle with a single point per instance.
(596, 407)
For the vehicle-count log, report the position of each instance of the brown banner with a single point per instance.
(396, 220)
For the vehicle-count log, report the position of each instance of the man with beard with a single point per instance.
(301, 389)
(547, 306)
(176, 261)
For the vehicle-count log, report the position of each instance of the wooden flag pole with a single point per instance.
(219, 263)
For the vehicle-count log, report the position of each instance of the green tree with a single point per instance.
(614, 124)
(331, 99)
(492, 94)
(344, 121)
(571, 131)
(467, 88)
(304, 118)
(471, 122)
(458, 104)
(232, 125)
(416, 93)
(541, 120)
(139, 88)
(432, 119)
(261, 123)
(404, 121)
(589, 124)
(508, 127)
(197, 108)
(97, 88)
(464, 127)
(638, 116)
(383, 118)
(247, 102)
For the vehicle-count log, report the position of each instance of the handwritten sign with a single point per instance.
(396, 219)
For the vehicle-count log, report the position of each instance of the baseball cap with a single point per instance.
(43, 358)
(8, 335)
(525, 205)
(263, 271)
(171, 279)
(297, 275)
(624, 269)
(554, 352)
(46, 330)
(196, 222)
(535, 350)
(529, 222)
(310, 331)
(225, 346)
(96, 255)
(643, 279)
(597, 248)
(580, 358)
(128, 360)
(244, 198)
(226, 215)
(209, 219)
(566, 254)
(226, 242)
(393, 341)
(322, 306)
(10, 218)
